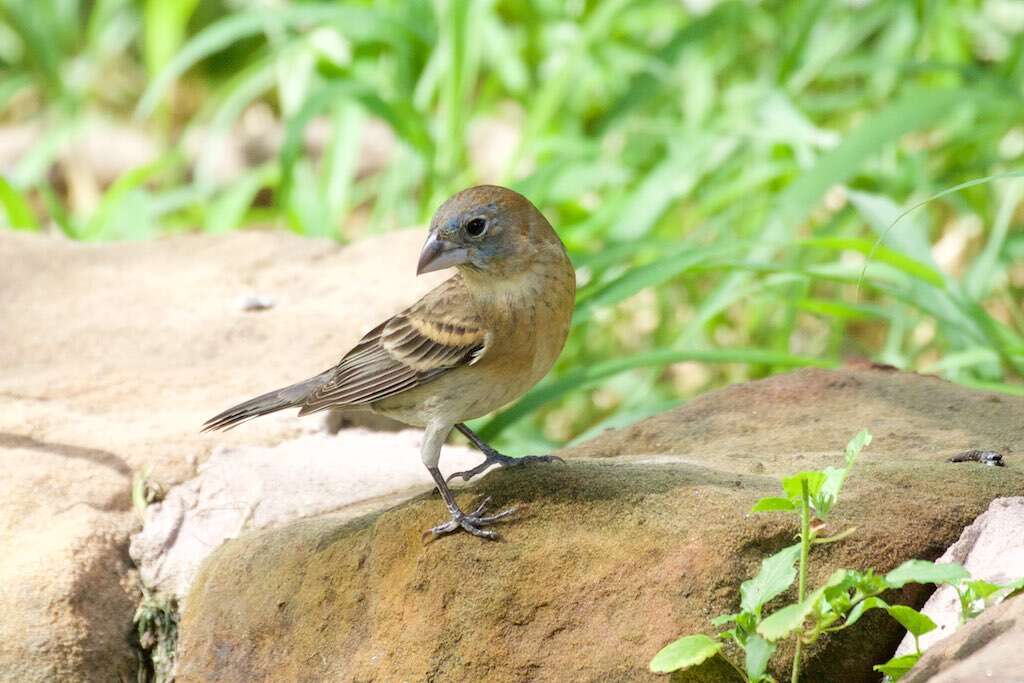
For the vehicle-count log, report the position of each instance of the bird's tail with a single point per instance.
(271, 402)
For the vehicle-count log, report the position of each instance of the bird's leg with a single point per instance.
(433, 439)
(493, 457)
(471, 522)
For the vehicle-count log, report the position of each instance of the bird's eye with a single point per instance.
(476, 227)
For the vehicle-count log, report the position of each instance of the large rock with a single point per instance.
(66, 592)
(255, 487)
(644, 535)
(991, 549)
(127, 348)
(111, 357)
(988, 649)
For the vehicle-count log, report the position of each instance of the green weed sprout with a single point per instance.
(837, 604)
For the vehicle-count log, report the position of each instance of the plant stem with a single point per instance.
(741, 672)
(805, 547)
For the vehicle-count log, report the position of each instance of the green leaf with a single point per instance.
(790, 618)
(829, 491)
(916, 623)
(758, 652)
(858, 443)
(776, 575)
(922, 571)
(773, 505)
(723, 619)
(686, 652)
(980, 590)
(18, 213)
(897, 667)
(863, 606)
(783, 622)
(814, 478)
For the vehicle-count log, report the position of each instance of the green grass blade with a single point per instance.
(915, 269)
(913, 111)
(979, 279)
(642, 277)
(17, 212)
(233, 28)
(939, 195)
(227, 211)
(581, 378)
(164, 23)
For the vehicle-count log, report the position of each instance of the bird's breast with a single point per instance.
(530, 327)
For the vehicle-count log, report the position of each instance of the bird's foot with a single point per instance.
(470, 523)
(495, 458)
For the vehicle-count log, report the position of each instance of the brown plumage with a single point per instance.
(473, 344)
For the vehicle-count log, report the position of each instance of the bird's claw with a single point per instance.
(470, 523)
(495, 458)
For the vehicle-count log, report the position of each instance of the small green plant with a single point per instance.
(145, 491)
(837, 604)
(156, 625)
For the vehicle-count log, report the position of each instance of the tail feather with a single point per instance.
(271, 402)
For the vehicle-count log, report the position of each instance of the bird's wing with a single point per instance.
(437, 334)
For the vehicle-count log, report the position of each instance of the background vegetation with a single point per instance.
(726, 174)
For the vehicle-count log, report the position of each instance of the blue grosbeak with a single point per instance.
(475, 343)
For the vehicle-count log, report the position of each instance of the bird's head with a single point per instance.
(487, 229)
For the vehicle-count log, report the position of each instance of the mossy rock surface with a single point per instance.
(644, 535)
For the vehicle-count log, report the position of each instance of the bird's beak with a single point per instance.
(439, 254)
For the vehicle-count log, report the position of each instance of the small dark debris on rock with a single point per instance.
(985, 457)
(255, 302)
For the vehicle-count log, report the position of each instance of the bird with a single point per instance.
(476, 342)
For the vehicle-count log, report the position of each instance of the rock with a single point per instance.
(987, 648)
(67, 592)
(255, 487)
(127, 348)
(991, 549)
(643, 536)
(112, 357)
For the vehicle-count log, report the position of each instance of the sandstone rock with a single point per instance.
(988, 648)
(255, 487)
(127, 348)
(643, 536)
(66, 584)
(112, 356)
(991, 549)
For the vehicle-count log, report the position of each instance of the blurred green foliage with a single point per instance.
(727, 175)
